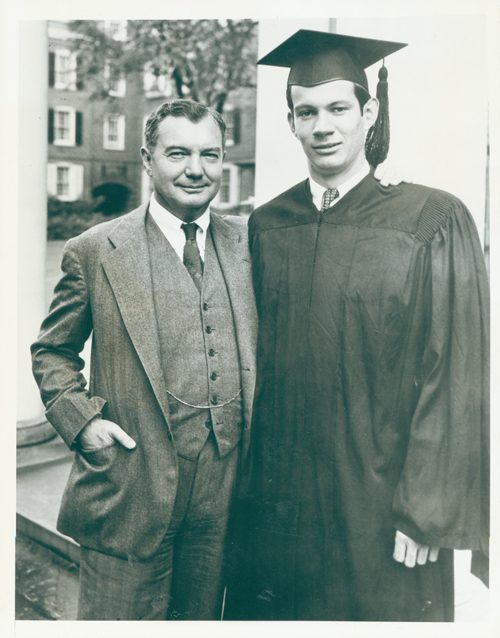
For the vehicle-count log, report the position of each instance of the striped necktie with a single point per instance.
(329, 197)
(191, 255)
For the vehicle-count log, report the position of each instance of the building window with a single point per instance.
(116, 86)
(62, 128)
(228, 194)
(63, 69)
(232, 120)
(62, 186)
(117, 29)
(157, 85)
(65, 181)
(114, 132)
(65, 126)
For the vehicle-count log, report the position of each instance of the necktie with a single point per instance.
(329, 197)
(191, 256)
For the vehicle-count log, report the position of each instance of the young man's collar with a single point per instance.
(317, 191)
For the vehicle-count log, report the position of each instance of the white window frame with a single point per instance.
(117, 29)
(157, 86)
(71, 139)
(69, 58)
(75, 181)
(119, 143)
(120, 87)
(234, 173)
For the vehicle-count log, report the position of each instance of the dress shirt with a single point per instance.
(317, 191)
(170, 226)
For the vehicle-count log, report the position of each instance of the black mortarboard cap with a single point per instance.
(316, 57)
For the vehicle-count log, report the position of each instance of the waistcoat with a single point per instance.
(198, 345)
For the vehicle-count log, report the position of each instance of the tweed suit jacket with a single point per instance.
(119, 501)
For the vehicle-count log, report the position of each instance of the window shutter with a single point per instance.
(51, 126)
(236, 135)
(52, 68)
(79, 75)
(79, 129)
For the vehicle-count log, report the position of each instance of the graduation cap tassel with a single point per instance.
(377, 140)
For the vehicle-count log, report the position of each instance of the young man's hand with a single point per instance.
(409, 552)
(100, 433)
(390, 176)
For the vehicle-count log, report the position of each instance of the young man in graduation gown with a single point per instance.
(369, 453)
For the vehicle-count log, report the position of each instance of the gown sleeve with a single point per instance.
(442, 498)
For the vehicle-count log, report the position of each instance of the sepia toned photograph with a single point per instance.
(253, 355)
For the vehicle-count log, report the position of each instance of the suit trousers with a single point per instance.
(183, 580)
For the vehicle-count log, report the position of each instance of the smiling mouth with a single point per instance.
(326, 147)
(192, 187)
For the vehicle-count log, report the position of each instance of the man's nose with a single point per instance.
(194, 167)
(323, 124)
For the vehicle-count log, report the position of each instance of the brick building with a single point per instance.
(94, 144)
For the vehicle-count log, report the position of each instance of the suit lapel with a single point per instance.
(129, 274)
(231, 245)
(234, 259)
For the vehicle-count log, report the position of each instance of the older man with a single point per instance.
(369, 453)
(159, 435)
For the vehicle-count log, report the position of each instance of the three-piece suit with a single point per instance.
(175, 369)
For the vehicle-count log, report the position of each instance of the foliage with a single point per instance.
(69, 219)
(206, 58)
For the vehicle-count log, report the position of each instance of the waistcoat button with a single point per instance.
(214, 400)
(208, 329)
(211, 352)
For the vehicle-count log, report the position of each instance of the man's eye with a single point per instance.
(211, 156)
(339, 109)
(176, 154)
(305, 114)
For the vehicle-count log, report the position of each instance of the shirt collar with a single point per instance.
(169, 222)
(317, 191)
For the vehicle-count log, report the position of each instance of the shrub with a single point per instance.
(69, 219)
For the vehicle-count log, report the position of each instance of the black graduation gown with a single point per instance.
(371, 410)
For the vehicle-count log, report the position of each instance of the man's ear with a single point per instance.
(291, 122)
(146, 160)
(370, 113)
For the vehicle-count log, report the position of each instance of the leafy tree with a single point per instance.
(206, 58)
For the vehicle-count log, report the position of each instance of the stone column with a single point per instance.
(32, 223)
